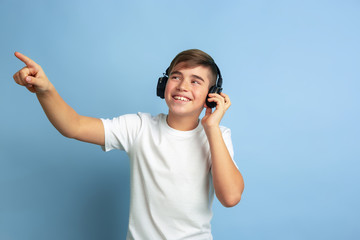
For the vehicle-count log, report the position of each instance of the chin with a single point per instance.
(185, 112)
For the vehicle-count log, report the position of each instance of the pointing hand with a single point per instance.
(31, 76)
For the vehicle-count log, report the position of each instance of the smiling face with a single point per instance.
(186, 89)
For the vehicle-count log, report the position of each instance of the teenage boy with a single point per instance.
(176, 162)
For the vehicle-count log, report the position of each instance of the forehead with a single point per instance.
(199, 70)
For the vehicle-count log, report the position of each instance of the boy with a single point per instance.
(176, 162)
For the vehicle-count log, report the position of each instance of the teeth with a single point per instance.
(181, 98)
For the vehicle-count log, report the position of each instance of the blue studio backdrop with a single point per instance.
(291, 69)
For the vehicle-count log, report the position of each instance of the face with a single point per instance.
(187, 89)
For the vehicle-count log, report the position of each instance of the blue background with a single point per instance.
(291, 69)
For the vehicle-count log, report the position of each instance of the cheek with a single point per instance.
(168, 85)
(168, 88)
(201, 94)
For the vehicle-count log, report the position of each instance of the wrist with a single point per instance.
(46, 92)
(211, 130)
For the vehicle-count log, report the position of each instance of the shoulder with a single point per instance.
(136, 118)
(147, 117)
(140, 116)
(145, 120)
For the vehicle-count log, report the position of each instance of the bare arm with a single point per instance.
(61, 115)
(228, 181)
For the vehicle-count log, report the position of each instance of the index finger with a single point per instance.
(25, 59)
(224, 95)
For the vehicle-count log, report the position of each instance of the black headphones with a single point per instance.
(160, 89)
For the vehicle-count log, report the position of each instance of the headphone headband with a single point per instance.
(219, 79)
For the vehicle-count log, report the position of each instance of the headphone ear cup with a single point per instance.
(160, 88)
(213, 89)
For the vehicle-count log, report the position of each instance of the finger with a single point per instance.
(227, 100)
(218, 100)
(217, 96)
(221, 101)
(26, 60)
(32, 83)
(23, 73)
(30, 80)
(224, 95)
(18, 79)
(208, 110)
(31, 88)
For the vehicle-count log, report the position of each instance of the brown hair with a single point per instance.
(193, 58)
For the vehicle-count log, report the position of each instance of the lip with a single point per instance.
(180, 95)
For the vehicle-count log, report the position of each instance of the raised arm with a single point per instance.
(64, 118)
(227, 179)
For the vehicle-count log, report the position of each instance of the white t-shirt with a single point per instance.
(171, 184)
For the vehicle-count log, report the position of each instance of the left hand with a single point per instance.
(212, 119)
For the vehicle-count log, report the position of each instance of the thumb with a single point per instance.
(30, 80)
(29, 84)
(35, 85)
(208, 111)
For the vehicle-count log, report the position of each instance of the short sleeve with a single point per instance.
(121, 132)
(226, 133)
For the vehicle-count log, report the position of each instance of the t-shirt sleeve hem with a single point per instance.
(105, 147)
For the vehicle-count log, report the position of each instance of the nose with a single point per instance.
(183, 86)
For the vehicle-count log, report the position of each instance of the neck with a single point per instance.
(182, 123)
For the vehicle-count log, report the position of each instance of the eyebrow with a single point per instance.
(195, 76)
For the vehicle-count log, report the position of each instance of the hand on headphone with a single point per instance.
(213, 118)
(31, 76)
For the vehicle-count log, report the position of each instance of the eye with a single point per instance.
(175, 77)
(195, 81)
